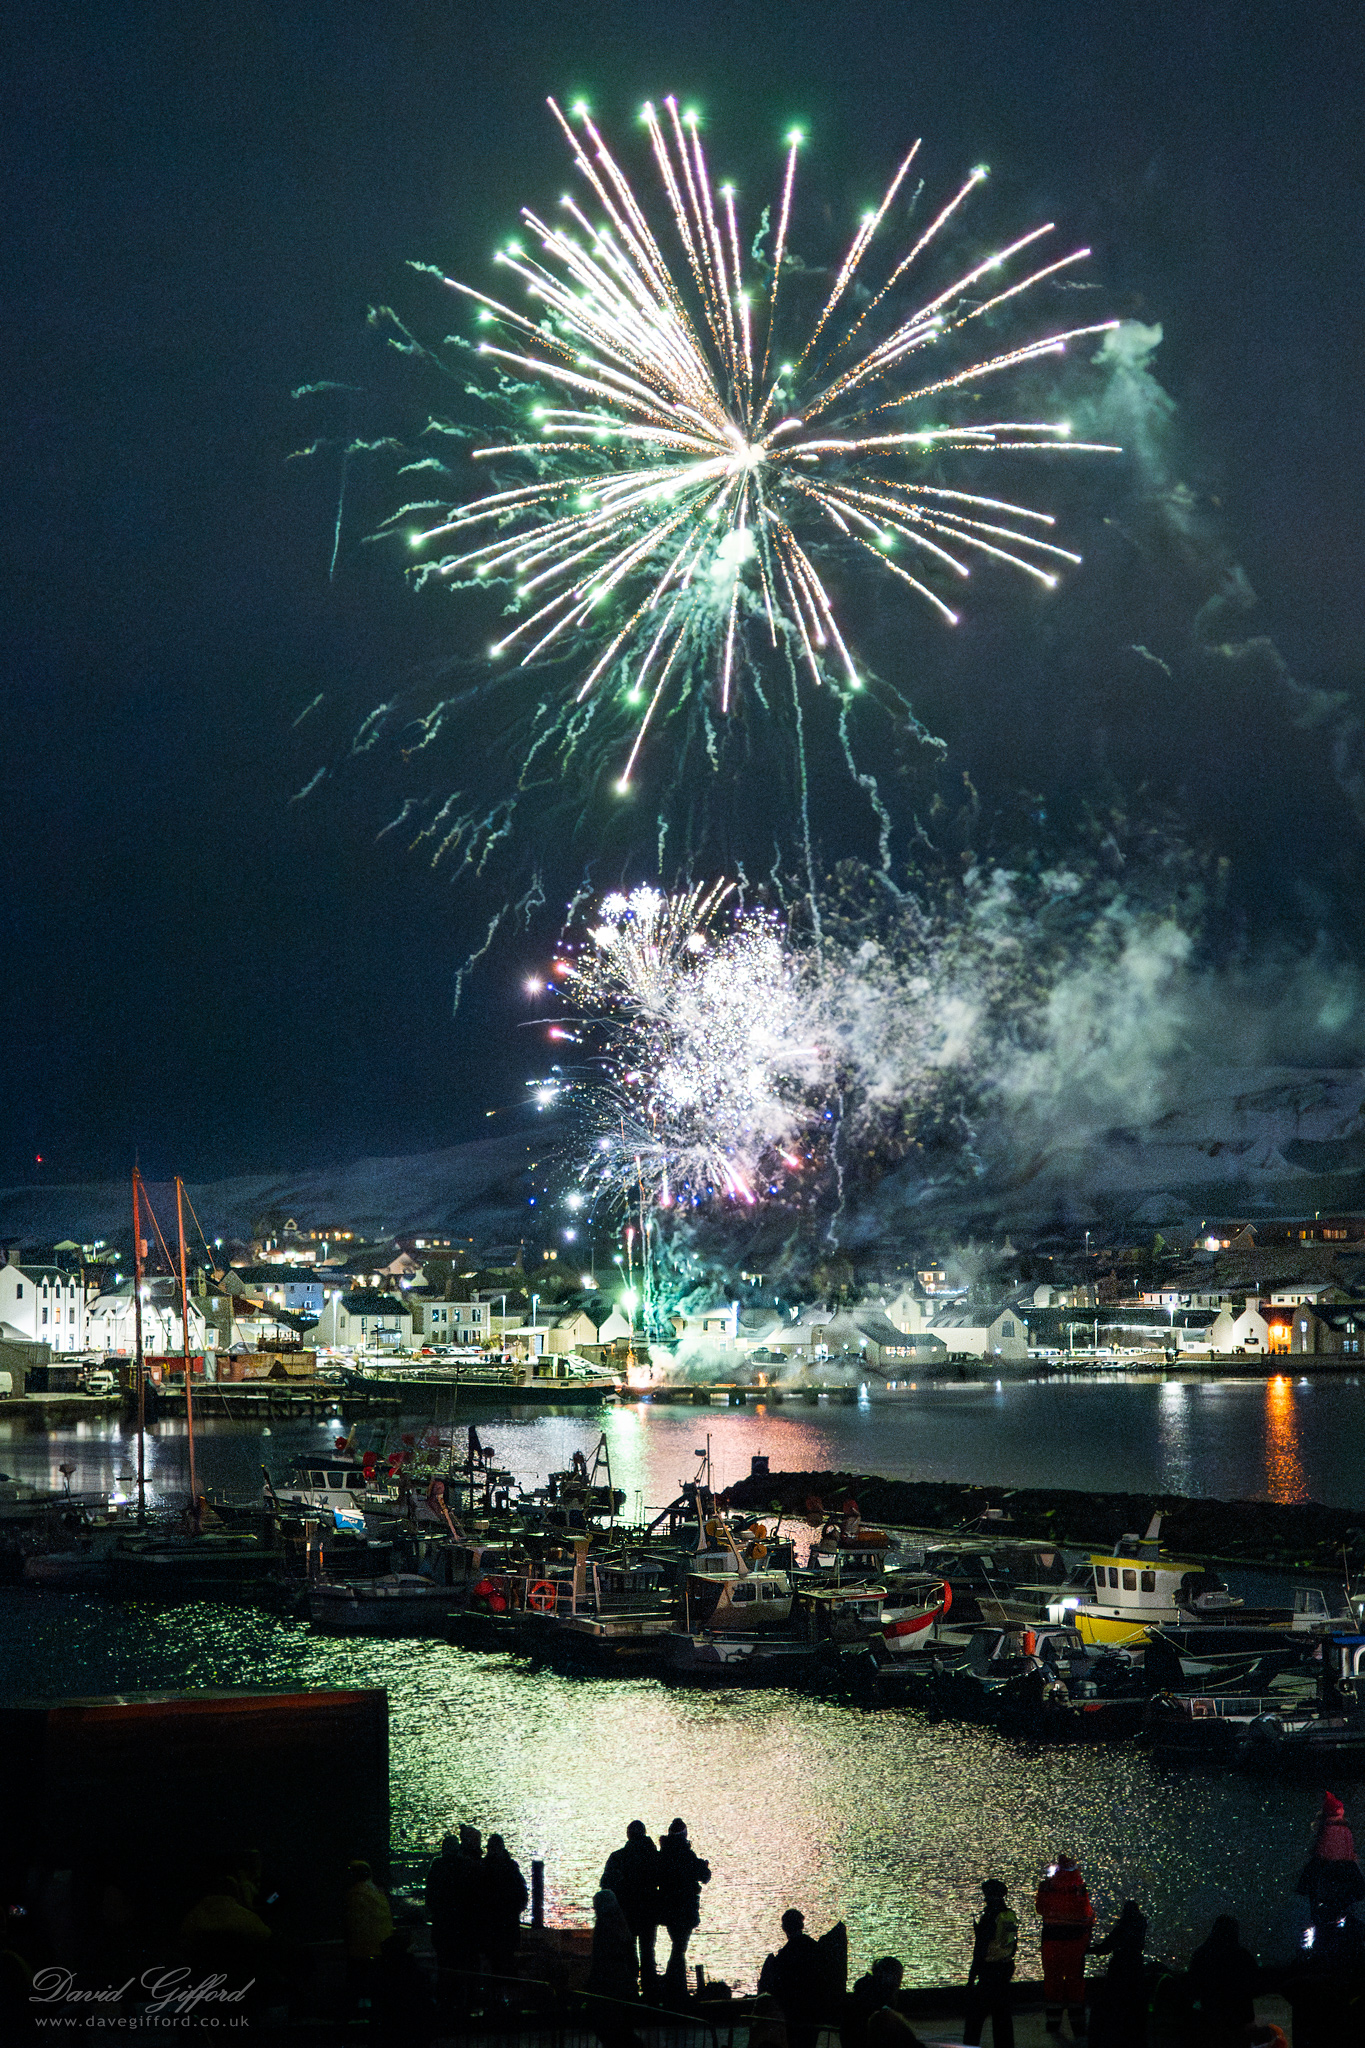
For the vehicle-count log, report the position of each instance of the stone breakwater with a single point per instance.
(1299, 1535)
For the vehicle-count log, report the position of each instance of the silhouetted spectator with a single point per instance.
(450, 1899)
(501, 1903)
(611, 1972)
(632, 1875)
(995, 1940)
(881, 1986)
(404, 2010)
(1222, 1986)
(682, 1873)
(1118, 2017)
(794, 1978)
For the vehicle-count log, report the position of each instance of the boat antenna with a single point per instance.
(185, 1346)
(139, 1367)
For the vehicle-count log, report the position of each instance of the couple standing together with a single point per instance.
(658, 1887)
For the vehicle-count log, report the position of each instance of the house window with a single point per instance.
(19, 1293)
(44, 1315)
(1007, 1328)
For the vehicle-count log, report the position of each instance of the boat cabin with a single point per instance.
(1128, 1595)
(320, 1482)
(841, 1614)
(717, 1599)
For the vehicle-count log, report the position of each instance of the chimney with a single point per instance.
(13, 1255)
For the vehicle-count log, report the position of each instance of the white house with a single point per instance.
(43, 1305)
(981, 1333)
(908, 1311)
(1248, 1331)
(889, 1349)
(715, 1321)
(112, 1322)
(364, 1321)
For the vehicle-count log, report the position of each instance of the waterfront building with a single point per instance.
(363, 1321)
(1244, 1331)
(112, 1321)
(973, 1332)
(42, 1304)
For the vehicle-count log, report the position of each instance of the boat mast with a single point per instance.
(185, 1346)
(139, 1368)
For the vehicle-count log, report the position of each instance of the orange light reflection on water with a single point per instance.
(1284, 1478)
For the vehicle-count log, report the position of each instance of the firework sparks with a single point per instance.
(707, 1052)
(688, 486)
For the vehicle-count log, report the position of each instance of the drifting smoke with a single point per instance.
(740, 1058)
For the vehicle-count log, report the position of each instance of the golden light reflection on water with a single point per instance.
(883, 1819)
(1284, 1478)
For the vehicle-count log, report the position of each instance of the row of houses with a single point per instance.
(896, 1335)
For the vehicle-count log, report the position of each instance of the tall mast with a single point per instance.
(139, 1368)
(185, 1345)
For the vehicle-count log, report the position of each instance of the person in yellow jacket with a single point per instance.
(996, 1938)
(1063, 1905)
(366, 1924)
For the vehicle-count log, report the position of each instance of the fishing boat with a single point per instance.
(1135, 1588)
(913, 1607)
(393, 1604)
(749, 1622)
(559, 1379)
(597, 1613)
(1045, 1684)
(1216, 1727)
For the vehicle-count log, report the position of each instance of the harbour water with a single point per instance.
(1254, 1439)
(883, 1818)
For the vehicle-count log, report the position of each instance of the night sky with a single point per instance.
(201, 204)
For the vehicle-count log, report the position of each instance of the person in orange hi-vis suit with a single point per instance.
(1063, 1906)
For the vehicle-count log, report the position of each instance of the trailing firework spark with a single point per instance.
(689, 477)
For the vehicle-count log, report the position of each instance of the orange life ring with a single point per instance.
(542, 1597)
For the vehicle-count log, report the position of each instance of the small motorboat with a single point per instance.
(394, 1604)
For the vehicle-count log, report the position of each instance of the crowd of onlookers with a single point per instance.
(475, 1898)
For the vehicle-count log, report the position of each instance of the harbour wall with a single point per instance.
(1298, 1535)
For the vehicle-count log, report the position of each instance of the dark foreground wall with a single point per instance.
(1299, 1533)
(151, 1790)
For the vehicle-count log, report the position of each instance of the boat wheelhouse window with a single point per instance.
(745, 1592)
(772, 1592)
(1130, 1582)
(1113, 1575)
(1149, 1582)
(335, 1479)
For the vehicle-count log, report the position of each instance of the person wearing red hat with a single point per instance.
(1331, 1879)
(1063, 1905)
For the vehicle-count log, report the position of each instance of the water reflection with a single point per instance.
(882, 1819)
(1284, 1478)
(1173, 1427)
(1159, 1436)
